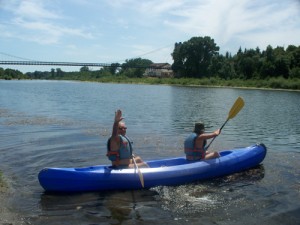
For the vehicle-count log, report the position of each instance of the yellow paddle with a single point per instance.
(139, 172)
(235, 109)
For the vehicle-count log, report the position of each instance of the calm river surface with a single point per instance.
(66, 124)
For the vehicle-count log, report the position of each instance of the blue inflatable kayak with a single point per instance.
(165, 172)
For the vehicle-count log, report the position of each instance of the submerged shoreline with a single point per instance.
(6, 215)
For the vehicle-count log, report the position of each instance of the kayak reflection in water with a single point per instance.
(119, 146)
(195, 144)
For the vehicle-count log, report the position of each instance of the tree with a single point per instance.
(247, 67)
(193, 57)
(52, 73)
(294, 53)
(280, 61)
(222, 67)
(114, 67)
(84, 69)
(179, 60)
(135, 67)
(59, 72)
(282, 66)
(1, 73)
(12, 74)
(269, 54)
(267, 69)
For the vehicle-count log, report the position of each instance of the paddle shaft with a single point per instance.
(139, 171)
(216, 136)
(135, 165)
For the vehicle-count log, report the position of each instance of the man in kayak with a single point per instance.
(119, 147)
(194, 144)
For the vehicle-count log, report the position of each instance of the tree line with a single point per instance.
(198, 57)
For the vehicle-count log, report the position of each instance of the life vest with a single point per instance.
(124, 152)
(191, 152)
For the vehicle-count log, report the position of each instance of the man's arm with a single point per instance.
(209, 135)
(115, 139)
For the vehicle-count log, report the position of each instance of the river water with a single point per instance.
(66, 124)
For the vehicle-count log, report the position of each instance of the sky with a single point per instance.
(110, 31)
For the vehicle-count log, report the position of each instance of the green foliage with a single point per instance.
(114, 68)
(277, 83)
(10, 74)
(84, 69)
(135, 67)
(192, 58)
(295, 73)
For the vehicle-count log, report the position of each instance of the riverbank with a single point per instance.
(277, 83)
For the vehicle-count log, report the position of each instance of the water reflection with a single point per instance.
(111, 207)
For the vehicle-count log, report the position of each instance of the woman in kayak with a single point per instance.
(119, 147)
(194, 144)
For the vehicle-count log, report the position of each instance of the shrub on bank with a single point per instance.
(275, 83)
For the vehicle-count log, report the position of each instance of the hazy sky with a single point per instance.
(107, 31)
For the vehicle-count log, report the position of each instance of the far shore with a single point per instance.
(205, 86)
(274, 84)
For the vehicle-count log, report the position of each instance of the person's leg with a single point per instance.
(142, 165)
(212, 155)
(138, 159)
(139, 162)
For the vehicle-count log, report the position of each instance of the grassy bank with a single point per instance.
(272, 83)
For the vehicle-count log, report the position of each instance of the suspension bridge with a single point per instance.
(44, 63)
(28, 62)
(78, 64)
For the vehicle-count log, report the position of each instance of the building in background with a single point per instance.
(160, 70)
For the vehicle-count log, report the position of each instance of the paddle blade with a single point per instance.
(237, 106)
